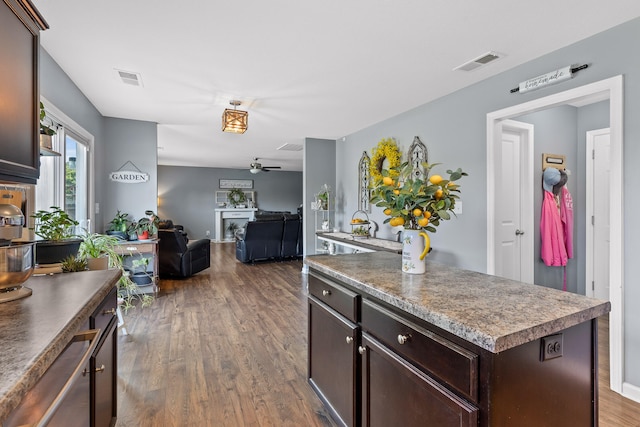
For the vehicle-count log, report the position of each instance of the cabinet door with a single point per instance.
(104, 369)
(332, 361)
(394, 393)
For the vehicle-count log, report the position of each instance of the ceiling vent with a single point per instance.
(129, 78)
(290, 147)
(478, 62)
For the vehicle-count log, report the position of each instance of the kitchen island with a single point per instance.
(450, 347)
(36, 330)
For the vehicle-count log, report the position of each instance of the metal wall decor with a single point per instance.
(418, 155)
(364, 192)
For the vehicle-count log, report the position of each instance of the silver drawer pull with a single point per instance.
(326, 293)
(362, 350)
(86, 371)
(402, 339)
(349, 340)
(112, 312)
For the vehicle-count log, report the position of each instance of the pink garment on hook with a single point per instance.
(552, 237)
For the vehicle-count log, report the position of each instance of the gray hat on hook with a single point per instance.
(550, 177)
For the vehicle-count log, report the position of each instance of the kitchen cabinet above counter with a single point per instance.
(35, 330)
(493, 313)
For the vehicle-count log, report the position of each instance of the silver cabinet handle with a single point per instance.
(111, 311)
(326, 293)
(402, 339)
(519, 232)
(362, 350)
(86, 371)
(349, 340)
(90, 335)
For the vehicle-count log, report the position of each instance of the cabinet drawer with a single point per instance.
(453, 365)
(335, 296)
(105, 312)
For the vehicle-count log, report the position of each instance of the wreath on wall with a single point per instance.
(236, 197)
(387, 149)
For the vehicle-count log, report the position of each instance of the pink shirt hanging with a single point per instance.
(552, 248)
(566, 216)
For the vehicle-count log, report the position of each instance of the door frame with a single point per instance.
(612, 89)
(588, 274)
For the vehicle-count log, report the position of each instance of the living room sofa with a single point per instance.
(272, 236)
(180, 258)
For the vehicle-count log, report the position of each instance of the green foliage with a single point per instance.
(405, 192)
(71, 264)
(44, 128)
(54, 225)
(236, 197)
(120, 222)
(95, 245)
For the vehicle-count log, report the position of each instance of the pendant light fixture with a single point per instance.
(235, 121)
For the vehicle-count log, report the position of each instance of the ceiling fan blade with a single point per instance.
(271, 167)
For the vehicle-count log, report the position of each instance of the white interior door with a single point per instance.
(514, 232)
(598, 213)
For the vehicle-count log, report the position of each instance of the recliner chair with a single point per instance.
(261, 240)
(290, 236)
(180, 258)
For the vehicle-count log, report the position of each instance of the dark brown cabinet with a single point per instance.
(333, 342)
(84, 376)
(20, 26)
(394, 392)
(407, 372)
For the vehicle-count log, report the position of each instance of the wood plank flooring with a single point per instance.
(228, 347)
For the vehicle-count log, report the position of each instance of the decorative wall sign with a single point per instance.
(547, 79)
(236, 183)
(418, 155)
(125, 176)
(364, 192)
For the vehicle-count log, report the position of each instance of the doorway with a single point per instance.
(611, 89)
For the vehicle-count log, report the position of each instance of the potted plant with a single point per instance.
(46, 130)
(118, 225)
(99, 251)
(231, 230)
(147, 227)
(139, 274)
(56, 230)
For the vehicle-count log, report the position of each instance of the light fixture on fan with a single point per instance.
(235, 121)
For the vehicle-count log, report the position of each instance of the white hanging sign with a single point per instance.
(129, 176)
(546, 79)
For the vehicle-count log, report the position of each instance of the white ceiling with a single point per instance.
(321, 69)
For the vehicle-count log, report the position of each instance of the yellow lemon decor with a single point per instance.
(387, 149)
(418, 204)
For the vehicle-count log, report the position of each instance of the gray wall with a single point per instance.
(454, 130)
(58, 88)
(135, 142)
(187, 195)
(319, 164)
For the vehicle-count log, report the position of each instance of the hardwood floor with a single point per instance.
(228, 347)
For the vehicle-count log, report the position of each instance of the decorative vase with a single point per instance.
(415, 246)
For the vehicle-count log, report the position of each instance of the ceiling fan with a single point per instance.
(256, 167)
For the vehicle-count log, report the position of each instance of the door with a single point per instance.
(513, 199)
(598, 181)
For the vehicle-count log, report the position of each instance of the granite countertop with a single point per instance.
(34, 330)
(489, 311)
(365, 242)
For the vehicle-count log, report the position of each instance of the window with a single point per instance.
(65, 180)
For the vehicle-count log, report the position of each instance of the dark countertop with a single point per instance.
(489, 311)
(34, 330)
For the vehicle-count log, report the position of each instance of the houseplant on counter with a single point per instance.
(99, 251)
(57, 231)
(417, 204)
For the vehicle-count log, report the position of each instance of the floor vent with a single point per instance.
(478, 62)
(129, 78)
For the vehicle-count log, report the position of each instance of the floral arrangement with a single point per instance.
(413, 202)
(387, 149)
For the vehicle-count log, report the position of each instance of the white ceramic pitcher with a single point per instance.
(415, 246)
